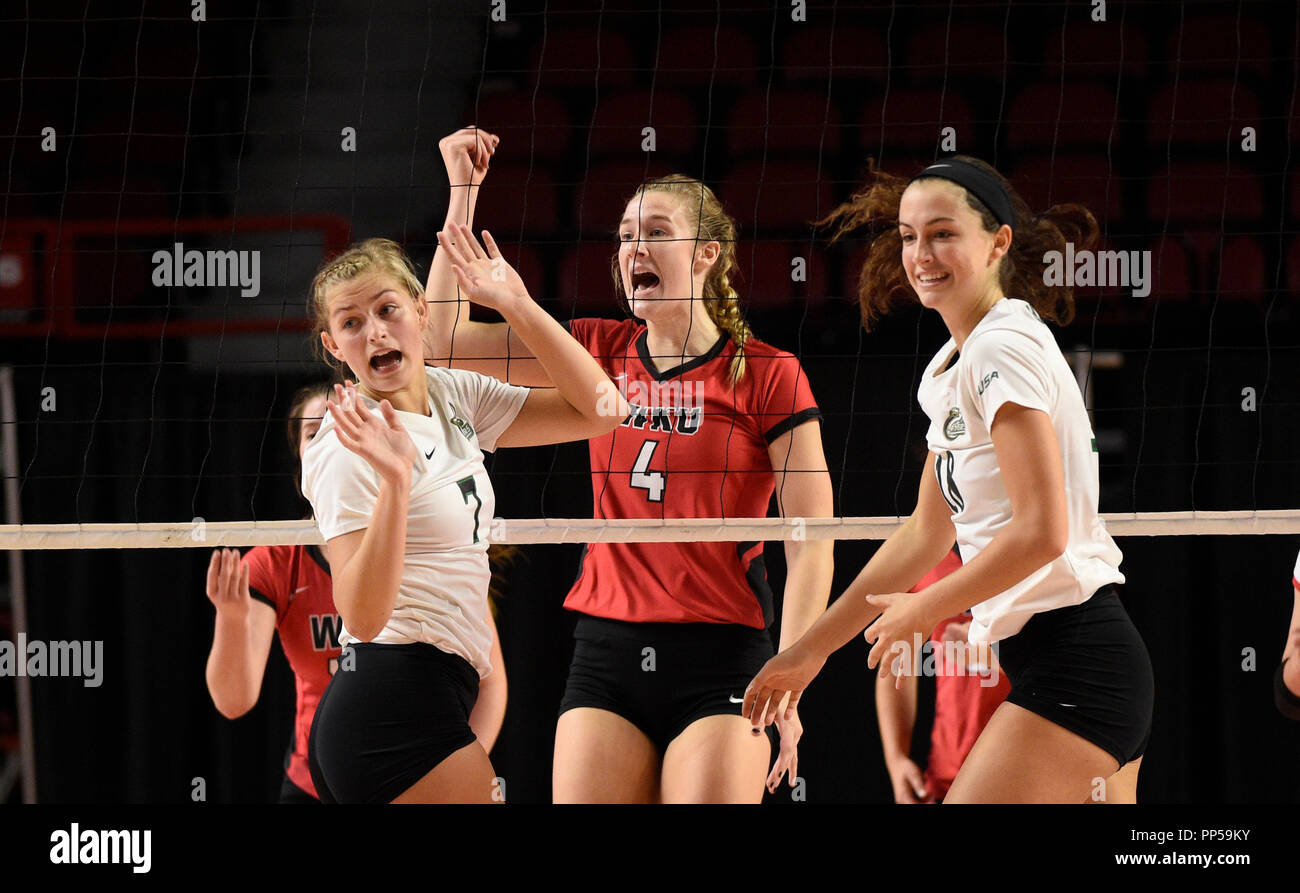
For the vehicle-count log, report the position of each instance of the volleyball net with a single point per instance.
(160, 230)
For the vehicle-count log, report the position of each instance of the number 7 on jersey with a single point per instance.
(467, 489)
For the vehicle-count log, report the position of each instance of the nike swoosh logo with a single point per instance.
(1069, 705)
(429, 455)
(300, 589)
(735, 700)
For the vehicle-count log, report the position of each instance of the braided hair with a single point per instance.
(715, 224)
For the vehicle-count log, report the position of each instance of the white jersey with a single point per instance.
(1011, 356)
(442, 598)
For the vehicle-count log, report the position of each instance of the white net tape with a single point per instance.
(209, 534)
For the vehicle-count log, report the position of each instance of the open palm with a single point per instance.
(484, 275)
(382, 440)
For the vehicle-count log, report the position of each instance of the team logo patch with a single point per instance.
(955, 426)
(465, 427)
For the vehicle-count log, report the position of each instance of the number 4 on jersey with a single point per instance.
(644, 479)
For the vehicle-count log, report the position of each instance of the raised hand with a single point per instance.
(466, 155)
(483, 275)
(382, 440)
(228, 583)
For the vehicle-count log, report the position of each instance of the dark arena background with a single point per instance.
(291, 128)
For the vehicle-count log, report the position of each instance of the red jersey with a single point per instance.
(962, 705)
(295, 581)
(692, 447)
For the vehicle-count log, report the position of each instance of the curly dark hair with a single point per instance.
(883, 285)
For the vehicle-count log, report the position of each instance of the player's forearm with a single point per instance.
(896, 567)
(576, 374)
(365, 590)
(810, 567)
(233, 676)
(896, 714)
(490, 709)
(1019, 549)
(448, 310)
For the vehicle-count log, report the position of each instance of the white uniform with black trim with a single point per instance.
(442, 598)
(1011, 356)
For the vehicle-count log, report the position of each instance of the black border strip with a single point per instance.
(791, 422)
(643, 352)
(262, 598)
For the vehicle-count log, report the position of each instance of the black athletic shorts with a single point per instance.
(661, 677)
(1288, 703)
(1086, 669)
(383, 725)
(291, 793)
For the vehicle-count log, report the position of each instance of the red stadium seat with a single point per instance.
(598, 201)
(1203, 192)
(526, 258)
(1044, 180)
(1171, 270)
(974, 50)
(567, 57)
(527, 124)
(1243, 271)
(1086, 49)
(765, 274)
(784, 123)
(700, 55)
(1201, 113)
(1210, 43)
(1080, 113)
(515, 199)
(858, 53)
(585, 286)
(616, 128)
(906, 121)
(781, 195)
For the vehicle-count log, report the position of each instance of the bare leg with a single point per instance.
(464, 777)
(1122, 787)
(716, 759)
(1020, 757)
(600, 757)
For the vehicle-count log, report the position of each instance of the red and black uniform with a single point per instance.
(693, 446)
(964, 699)
(295, 582)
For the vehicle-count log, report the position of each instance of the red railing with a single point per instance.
(39, 274)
